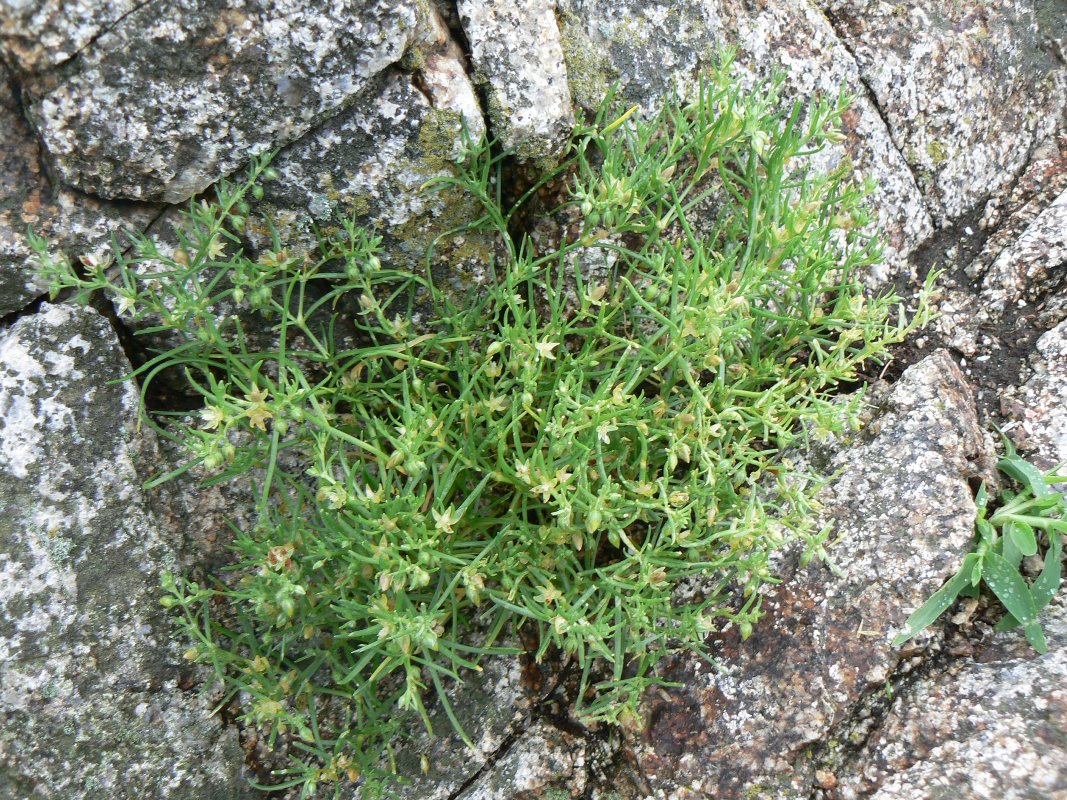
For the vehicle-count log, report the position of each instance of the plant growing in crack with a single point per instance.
(1005, 534)
(587, 445)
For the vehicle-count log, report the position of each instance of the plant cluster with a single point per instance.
(592, 453)
(1003, 538)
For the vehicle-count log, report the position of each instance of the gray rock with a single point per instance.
(1033, 266)
(994, 727)
(643, 48)
(966, 88)
(1006, 216)
(516, 50)
(1040, 404)
(38, 35)
(72, 222)
(441, 70)
(88, 669)
(492, 706)
(179, 93)
(543, 758)
(1019, 273)
(370, 163)
(904, 518)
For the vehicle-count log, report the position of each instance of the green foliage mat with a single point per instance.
(586, 443)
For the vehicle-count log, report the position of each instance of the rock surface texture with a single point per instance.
(904, 517)
(178, 93)
(114, 114)
(991, 727)
(71, 221)
(88, 669)
(965, 88)
(36, 36)
(516, 50)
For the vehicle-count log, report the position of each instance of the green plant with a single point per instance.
(587, 443)
(1002, 540)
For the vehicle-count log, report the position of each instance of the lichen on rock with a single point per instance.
(179, 94)
(88, 667)
(370, 163)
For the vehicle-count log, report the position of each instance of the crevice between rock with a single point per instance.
(1005, 220)
(987, 377)
(31, 308)
(494, 758)
(450, 17)
(872, 97)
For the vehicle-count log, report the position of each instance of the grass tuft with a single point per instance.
(565, 448)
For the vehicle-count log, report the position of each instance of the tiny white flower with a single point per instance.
(212, 416)
(97, 262)
(544, 488)
(544, 350)
(126, 303)
(444, 520)
(522, 469)
(215, 248)
(603, 431)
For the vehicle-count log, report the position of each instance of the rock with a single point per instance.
(643, 48)
(994, 727)
(1019, 281)
(1040, 404)
(904, 518)
(1007, 216)
(516, 50)
(39, 35)
(441, 71)
(179, 93)
(492, 706)
(541, 760)
(966, 89)
(1032, 267)
(370, 163)
(72, 222)
(88, 668)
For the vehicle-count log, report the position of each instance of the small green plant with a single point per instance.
(587, 443)
(1002, 540)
